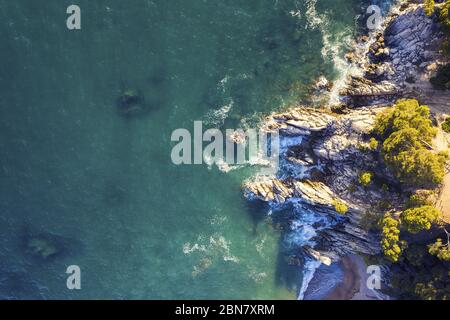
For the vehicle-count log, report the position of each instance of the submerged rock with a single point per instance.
(131, 103)
(43, 246)
(47, 246)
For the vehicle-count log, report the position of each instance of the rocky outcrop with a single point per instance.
(362, 87)
(298, 121)
(409, 36)
(394, 59)
(316, 193)
(344, 139)
(311, 192)
(378, 52)
(332, 145)
(272, 190)
(322, 85)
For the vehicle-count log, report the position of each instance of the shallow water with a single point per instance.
(103, 187)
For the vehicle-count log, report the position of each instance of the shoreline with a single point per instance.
(394, 62)
(354, 284)
(351, 282)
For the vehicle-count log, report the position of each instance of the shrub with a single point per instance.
(420, 198)
(369, 220)
(446, 125)
(340, 207)
(441, 80)
(384, 205)
(415, 254)
(444, 18)
(426, 291)
(428, 6)
(373, 144)
(365, 178)
(440, 250)
(445, 47)
(419, 218)
(390, 241)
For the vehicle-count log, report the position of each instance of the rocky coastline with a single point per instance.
(328, 148)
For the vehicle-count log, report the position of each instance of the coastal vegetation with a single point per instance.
(446, 125)
(419, 218)
(406, 132)
(440, 249)
(390, 242)
(414, 235)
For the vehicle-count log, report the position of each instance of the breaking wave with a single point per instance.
(209, 251)
(334, 46)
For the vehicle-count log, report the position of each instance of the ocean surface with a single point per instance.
(99, 190)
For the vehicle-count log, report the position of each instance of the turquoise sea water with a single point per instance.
(103, 187)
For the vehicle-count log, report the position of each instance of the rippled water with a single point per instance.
(102, 188)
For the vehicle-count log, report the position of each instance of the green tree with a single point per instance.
(411, 162)
(405, 140)
(419, 218)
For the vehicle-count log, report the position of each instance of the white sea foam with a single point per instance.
(188, 248)
(209, 251)
(256, 276)
(217, 220)
(313, 19)
(303, 230)
(334, 45)
(217, 117)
